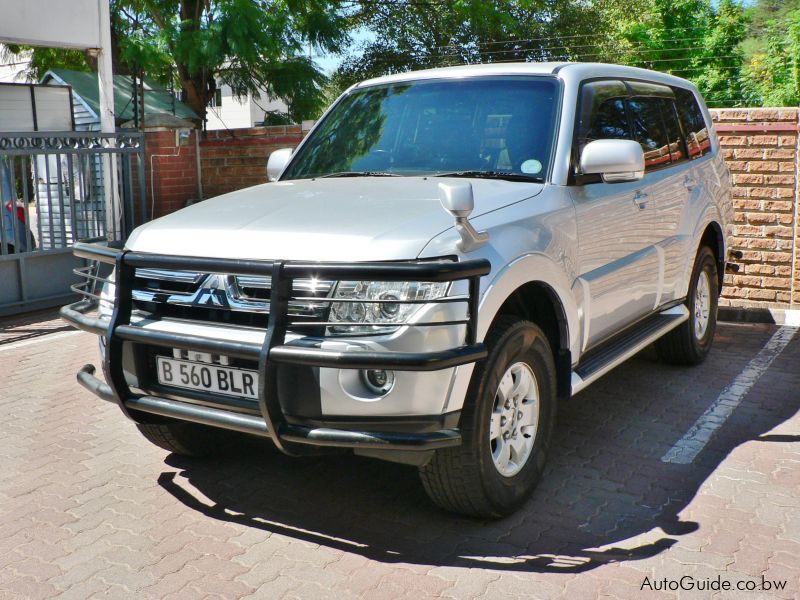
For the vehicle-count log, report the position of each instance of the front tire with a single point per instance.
(507, 424)
(188, 439)
(690, 343)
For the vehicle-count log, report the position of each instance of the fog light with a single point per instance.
(378, 381)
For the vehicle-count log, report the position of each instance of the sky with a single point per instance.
(329, 62)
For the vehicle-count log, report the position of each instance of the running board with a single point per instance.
(597, 364)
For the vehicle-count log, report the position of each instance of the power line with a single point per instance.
(651, 32)
(577, 58)
(543, 52)
(525, 41)
(403, 4)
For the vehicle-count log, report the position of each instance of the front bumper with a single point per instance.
(300, 434)
(275, 352)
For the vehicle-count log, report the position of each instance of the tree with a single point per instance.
(774, 71)
(251, 45)
(416, 34)
(696, 39)
(762, 13)
(248, 44)
(691, 39)
(720, 62)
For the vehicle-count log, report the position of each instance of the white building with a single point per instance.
(226, 111)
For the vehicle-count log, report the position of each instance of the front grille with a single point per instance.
(230, 299)
(255, 292)
(170, 282)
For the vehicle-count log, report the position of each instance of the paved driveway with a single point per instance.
(88, 508)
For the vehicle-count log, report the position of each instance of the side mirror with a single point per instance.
(613, 160)
(457, 199)
(277, 162)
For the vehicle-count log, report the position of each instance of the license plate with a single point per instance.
(228, 381)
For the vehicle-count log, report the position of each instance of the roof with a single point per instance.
(577, 71)
(85, 86)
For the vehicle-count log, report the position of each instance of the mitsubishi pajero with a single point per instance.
(446, 256)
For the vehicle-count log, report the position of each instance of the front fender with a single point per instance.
(530, 268)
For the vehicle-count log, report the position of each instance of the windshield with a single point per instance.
(490, 126)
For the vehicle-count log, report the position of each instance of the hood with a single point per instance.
(334, 219)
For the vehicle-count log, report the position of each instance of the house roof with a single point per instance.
(156, 100)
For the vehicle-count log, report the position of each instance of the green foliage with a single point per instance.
(735, 55)
(699, 40)
(693, 40)
(773, 74)
(410, 34)
(763, 12)
(718, 68)
(274, 117)
(251, 45)
(44, 59)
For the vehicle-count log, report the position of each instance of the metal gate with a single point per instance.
(53, 190)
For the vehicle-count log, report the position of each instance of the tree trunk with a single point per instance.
(195, 98)
(194, 84)
(120, 68)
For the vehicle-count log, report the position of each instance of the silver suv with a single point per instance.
(446, 256)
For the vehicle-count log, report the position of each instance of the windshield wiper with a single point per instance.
(493, 175)
(361, 174)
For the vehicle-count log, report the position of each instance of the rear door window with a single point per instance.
(694, 125)
(650, 130)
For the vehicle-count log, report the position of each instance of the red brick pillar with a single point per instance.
(236, 159)
(760, 146)
(170, 170)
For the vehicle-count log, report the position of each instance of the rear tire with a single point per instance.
(690, 343)
(188, 439)
(507, 424)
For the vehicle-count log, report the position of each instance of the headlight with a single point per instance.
(379, 305)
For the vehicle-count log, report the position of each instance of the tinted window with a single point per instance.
(501, 124)
(602, 113)
(693, 123)
(676, 148)
(649, 129)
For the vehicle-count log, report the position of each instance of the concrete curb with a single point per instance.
(778, 316)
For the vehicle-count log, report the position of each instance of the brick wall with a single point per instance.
(760, 147)
(235, 159)
(170, 170)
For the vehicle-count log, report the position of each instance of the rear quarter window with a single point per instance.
(695, 128)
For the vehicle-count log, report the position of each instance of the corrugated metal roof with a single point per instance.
(156, 101)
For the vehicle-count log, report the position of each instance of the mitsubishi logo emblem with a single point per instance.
(212, 295)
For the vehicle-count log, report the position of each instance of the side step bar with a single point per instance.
(597, 364)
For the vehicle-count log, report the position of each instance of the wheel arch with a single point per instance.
(713, 238)
(536, 301)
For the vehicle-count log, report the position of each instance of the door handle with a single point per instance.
(690, 182)
(640, 199)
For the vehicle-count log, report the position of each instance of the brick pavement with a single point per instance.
(30, 326)
(89, 509)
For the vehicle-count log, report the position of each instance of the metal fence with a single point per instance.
(56, 189)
